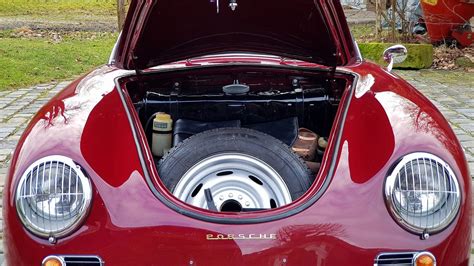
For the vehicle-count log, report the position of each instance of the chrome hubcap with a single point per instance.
(236, 181)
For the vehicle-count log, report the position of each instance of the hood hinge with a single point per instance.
(134, 60)
(138, 72)
(337, 55)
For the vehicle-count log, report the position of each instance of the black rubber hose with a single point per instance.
(149, 120)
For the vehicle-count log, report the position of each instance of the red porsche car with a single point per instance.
(238, 133)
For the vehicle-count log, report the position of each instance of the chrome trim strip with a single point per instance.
(357, 50)
(100, 261)
(113, 53)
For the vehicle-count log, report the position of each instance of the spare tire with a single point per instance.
(242, 169)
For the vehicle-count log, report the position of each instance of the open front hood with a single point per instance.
(163, 31)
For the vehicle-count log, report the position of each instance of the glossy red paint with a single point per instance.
(349, 224)
(130, 222)
(236, 59)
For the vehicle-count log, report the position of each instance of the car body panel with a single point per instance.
(386, 118)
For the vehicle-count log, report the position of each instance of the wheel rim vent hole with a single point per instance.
(196, 190)
(256, 180)
(224, 173)
(273, 204)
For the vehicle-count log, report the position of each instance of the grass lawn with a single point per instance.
(57, 12)
(31, 58)
(57, 7)
(366, 33)
(40, 57)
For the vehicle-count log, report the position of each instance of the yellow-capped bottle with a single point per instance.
(162, 134)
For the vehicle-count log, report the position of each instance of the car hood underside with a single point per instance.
(158, 32)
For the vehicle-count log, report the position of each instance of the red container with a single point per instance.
(448, 20)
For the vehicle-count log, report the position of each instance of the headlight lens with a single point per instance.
(422, 193)
(53, 196)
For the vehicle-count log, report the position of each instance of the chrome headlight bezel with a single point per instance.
(52, 225)
(434, 179)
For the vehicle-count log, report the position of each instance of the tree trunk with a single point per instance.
(394, 19)
(378, 19)
(121, 14)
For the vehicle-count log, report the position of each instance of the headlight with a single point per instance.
(53, 196)
(422, 193)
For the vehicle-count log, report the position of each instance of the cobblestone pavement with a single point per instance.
(452, 92)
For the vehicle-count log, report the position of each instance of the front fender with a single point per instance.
(387, 119)
(85, 122)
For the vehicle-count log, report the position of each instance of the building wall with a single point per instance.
(360, 4)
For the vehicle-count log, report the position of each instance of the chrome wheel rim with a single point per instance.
(235, 181)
